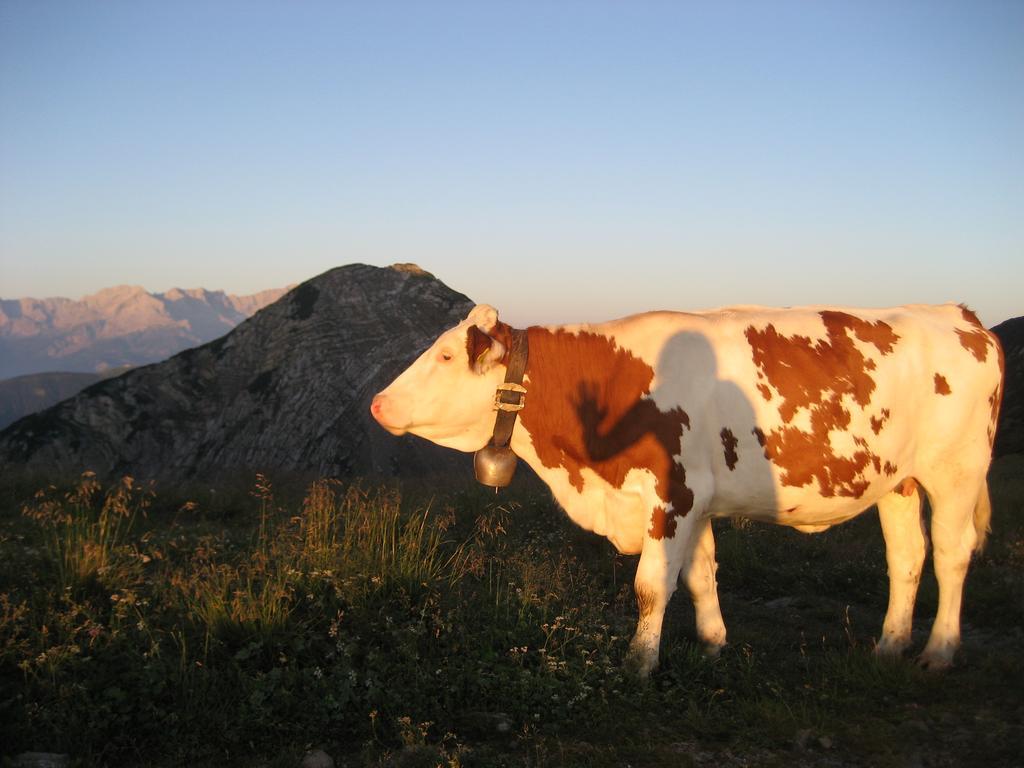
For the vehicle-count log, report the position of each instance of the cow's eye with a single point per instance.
(446, 356)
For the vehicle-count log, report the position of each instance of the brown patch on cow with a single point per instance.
(589, 409)
(802, 371)
(941, 385)
(907, 487)
(765, 392)
(889, 468)
(729, 443)
(994, 403)
(970, 317)
(995, 400)
(816, 375)
(662, 524)
(976, 342)
(479, 343)
(876, 463)
(806, 456)
(879, 333)
(877, 422)
(761, 440)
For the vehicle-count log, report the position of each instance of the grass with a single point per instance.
(86, 532)
(401, 625)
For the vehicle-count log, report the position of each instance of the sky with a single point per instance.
(562, 161)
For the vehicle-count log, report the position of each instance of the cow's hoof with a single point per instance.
(891, 647)
(935, 662)
(640, 663)
(938, 654)
(712, 650)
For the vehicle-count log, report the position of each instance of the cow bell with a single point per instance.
(494, 465)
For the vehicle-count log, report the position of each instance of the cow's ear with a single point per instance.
(484, 316)
(484, 352)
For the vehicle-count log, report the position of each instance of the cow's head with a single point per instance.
(447, 395)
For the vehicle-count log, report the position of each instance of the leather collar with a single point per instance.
(511, 396)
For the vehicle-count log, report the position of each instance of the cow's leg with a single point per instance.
(905, 544)
(700, 579)
(953, 541)
(656, 577)
(661, 560)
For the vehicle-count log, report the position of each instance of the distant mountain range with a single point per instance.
(288, 389)
(121, 326)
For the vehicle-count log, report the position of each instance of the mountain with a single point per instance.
(23, 395)
(288, 389)
(1010, 434)
(120, 326)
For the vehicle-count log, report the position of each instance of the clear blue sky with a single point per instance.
(563, 161)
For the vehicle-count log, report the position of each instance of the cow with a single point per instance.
(648, 427)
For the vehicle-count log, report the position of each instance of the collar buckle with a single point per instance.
(510, 389)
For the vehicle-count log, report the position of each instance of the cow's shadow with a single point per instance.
(700, 421)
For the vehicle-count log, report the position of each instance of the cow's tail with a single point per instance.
(982, 517)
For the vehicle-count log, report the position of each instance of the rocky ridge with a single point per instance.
(288, 389)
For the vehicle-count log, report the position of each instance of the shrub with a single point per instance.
(378, 544)
(86, 532)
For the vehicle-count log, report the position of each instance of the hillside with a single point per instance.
(288, 389)
(120, 326)
(34, 392)
(1010, 435)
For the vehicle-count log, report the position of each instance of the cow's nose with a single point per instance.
(377, 406)
(383, 410)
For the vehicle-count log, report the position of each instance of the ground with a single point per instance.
(423, 624)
